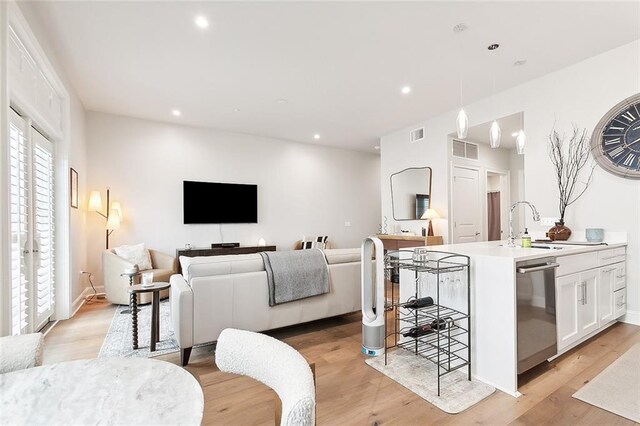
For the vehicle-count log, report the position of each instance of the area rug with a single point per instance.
(617, 387)
(420, 376)
(118, 342)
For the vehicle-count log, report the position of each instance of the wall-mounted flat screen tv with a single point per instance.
(213, 202)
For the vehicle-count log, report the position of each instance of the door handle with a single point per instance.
(586, 293)
(477, 233)
(581, 300)
(538, 268)
(25, 252)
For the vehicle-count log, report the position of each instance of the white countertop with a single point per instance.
(500, 249)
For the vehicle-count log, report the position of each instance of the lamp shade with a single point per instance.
(95, 202)
(114, 220)
(494, 135)
(115, 205)
(430, 214)
(521, 140)
(462, 124)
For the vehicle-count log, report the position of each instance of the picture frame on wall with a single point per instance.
(73, 179)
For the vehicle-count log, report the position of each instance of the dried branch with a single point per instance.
(568, 164)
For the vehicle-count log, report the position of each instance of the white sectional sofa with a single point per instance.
(216, 292)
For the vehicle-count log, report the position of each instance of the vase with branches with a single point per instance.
(571, 163)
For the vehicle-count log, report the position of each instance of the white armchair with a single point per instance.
(116, 286)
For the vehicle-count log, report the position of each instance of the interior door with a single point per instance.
(31, 200)
(466, 205)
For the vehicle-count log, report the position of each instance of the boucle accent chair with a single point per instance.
(275, 364)
(20, 352)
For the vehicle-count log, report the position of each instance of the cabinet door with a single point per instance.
(605, 294)
(568, 298)
(588, 310)
(620, 303)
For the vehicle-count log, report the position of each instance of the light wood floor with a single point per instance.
(351, 393)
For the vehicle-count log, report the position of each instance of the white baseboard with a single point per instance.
(631, 317)
(80, 300)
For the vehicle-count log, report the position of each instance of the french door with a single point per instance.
(31, 199)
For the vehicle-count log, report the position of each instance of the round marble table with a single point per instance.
(103, 390)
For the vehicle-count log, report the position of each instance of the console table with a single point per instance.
(220, 251)
(397, 242)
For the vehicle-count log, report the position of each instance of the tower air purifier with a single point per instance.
(372, 276)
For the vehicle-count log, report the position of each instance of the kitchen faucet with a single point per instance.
(536, 217)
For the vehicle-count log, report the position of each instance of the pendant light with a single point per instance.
(462, 121)
(495, 133)
(521, 140)
(462, 124)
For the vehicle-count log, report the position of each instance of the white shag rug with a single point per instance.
(617, 388)
(420, 376)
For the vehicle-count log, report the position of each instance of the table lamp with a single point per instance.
(428, 215)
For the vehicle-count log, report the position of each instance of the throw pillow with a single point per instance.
(136, 254)
(314, 242)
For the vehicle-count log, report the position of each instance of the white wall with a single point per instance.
(580, 94)
(303, 189)
(77, 156)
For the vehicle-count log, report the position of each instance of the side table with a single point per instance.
(134, 290)
(130, 274)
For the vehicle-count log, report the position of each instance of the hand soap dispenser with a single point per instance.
(526, 239)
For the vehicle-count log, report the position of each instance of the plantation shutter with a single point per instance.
(19, 207)
(44, 230)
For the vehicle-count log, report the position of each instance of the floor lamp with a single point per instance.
(113, 216)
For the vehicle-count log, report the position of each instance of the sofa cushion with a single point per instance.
(202, 266)
(342, 255)
(136, 254)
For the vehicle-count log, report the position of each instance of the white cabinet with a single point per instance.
(576, 306)
(590, 293)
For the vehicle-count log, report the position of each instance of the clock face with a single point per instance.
(616, 140)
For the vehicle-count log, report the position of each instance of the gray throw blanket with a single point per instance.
(294, 275)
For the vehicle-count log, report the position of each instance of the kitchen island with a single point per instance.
(585, 294)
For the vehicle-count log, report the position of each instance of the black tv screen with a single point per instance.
(209, 202)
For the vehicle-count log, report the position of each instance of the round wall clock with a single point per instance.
(615, 142)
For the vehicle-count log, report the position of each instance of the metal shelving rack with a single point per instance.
(444, 347)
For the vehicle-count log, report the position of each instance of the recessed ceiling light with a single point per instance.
(316, 136)
(460, 27)
(236, 110)
(520, 62)
(282, 101)
(493, 46)
(201, 21)
(176, 112)
(377, 147)
(405, 90)
(515, 134)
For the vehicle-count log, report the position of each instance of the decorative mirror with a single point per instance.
(411, 193)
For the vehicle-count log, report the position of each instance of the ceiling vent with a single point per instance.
(416, 135)
(464, 149)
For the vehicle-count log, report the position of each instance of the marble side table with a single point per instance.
(109, 391)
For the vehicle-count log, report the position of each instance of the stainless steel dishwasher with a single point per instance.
(536, 311)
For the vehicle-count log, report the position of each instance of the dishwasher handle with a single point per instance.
(538, 268)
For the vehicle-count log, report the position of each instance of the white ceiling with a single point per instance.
(339, 65)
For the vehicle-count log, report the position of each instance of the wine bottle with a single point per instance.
(419, 303)
(426, 328)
